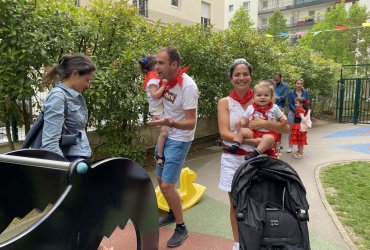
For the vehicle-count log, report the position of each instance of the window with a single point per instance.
(142, 7)
(206, 22)
(320, 16)
(246, 5)
(294, 18)
(264, 5)
(231, 7)
(205, 19)
(311, 13)
(264, 21)
(175, 3)
(278, 4)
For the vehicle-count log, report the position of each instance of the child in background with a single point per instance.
(262, 108)
(297, 136)
(154, 89)
(298, 91)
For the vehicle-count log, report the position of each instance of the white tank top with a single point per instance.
(236, 113)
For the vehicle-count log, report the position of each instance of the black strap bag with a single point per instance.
(34, 136)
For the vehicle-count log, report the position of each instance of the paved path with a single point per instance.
(328, 143)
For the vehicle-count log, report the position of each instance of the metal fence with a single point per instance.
(353, 94)
(354, 100)
(18, 133)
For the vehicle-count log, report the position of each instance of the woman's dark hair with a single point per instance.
(305, 103)
(238, 62)
(147, 63)
(66, 66)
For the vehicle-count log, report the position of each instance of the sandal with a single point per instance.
(159, 160)
(297, 156)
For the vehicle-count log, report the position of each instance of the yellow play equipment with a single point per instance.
(190, 193)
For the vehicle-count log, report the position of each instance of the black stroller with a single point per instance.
(271, 205)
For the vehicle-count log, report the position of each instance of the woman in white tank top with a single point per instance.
(230, 110)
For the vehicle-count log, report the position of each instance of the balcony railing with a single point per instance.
(293, 5)
(301, 23)
(296, 24)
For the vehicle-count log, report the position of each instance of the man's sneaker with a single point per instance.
(180, 235)
(167, 219)
(290, 149)
(236, 246)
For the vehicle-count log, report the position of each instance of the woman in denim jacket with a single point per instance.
(64, 106)
(298, 91)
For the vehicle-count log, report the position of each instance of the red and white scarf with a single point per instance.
(177, 80)
(248, 96)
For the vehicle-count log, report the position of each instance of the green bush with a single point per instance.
(35, 34)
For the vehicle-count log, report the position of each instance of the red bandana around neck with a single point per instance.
(177, 80)
(243, 100)
(262, 109)
(150, 75)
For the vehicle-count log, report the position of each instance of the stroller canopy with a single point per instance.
(253, 173)
(264, 184)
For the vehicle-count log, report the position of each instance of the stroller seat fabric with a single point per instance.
(271, 205)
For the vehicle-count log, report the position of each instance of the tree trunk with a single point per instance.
(8, 135)
(27, 115)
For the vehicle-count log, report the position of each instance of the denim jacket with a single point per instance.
(282, 91)
(75, 121)
(293, 95)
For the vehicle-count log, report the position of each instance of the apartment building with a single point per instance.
(187, 12)
(300, 15)
(231, 6)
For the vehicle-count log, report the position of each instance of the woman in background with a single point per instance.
(298, 91)
(65, 106)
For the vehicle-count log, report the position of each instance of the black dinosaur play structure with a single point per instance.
(77, 207)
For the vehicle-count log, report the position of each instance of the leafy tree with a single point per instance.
(341, 45)
(19, 59)
(35, 34)
(116, 100)
(276, 24)
(241, 20)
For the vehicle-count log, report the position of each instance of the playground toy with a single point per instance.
(50, 203)
(190, 193)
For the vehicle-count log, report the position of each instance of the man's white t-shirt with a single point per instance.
(176, 101)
